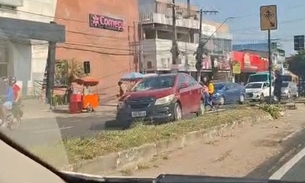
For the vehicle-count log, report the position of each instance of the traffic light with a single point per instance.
(299, 42)
(87, 67)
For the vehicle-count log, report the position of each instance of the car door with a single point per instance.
(236, 91)
(229, 92)
(184, 94)
(195, 93)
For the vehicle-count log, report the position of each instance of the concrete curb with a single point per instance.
(146, 152)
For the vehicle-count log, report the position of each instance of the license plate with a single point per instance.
(138, 114)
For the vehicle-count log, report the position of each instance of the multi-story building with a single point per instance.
(102, 32)
(156, 24)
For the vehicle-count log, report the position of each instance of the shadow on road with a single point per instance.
(61, 111)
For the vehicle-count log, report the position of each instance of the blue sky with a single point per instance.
(246, 26)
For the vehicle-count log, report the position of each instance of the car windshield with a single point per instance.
(155, 82)
(113, 88)
(254, 85)
(219, 86)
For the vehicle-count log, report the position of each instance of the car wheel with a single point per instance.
(177, 112)
(242, 99)
(221, 100)
(201, 109)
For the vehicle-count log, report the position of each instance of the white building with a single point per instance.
(156, 21)
(20, 55)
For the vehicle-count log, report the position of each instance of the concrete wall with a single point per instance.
(27, 59)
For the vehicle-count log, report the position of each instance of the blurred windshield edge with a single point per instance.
(43, 172)
(17, 159)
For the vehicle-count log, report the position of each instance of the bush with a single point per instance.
(273, 110)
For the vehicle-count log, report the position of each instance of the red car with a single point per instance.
(163, 97)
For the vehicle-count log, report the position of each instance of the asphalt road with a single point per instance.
(288, 165)
(46, 130)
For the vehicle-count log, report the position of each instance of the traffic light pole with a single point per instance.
(199, 50)
(270, 66)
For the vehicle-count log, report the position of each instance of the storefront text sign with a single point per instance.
(104, 22)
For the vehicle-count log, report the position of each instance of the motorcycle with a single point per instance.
(13, 116)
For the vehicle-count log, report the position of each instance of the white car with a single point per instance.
(257, 91)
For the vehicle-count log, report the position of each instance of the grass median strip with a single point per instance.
(107, 142)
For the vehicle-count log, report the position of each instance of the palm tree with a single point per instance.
(68, 70)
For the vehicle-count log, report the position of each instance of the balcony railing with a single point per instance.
(180, 22)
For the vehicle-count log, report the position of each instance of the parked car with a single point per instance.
(257, 91)
(163, 97)
(229, 93)
(289, 89)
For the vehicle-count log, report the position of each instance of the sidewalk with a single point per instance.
(34, 108)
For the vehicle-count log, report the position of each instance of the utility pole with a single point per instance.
(199, 49)
(174, 50)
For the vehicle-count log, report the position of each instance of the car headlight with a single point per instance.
(164, 100)
(121, 104)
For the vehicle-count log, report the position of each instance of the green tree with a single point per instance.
(297, 64)
(68, 70)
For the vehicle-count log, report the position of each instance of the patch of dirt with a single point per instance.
(236, 154)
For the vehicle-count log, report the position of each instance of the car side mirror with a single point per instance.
(184, 85)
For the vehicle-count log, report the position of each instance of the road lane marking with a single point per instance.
(286, 167)
(51, 130)
(290, 135)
